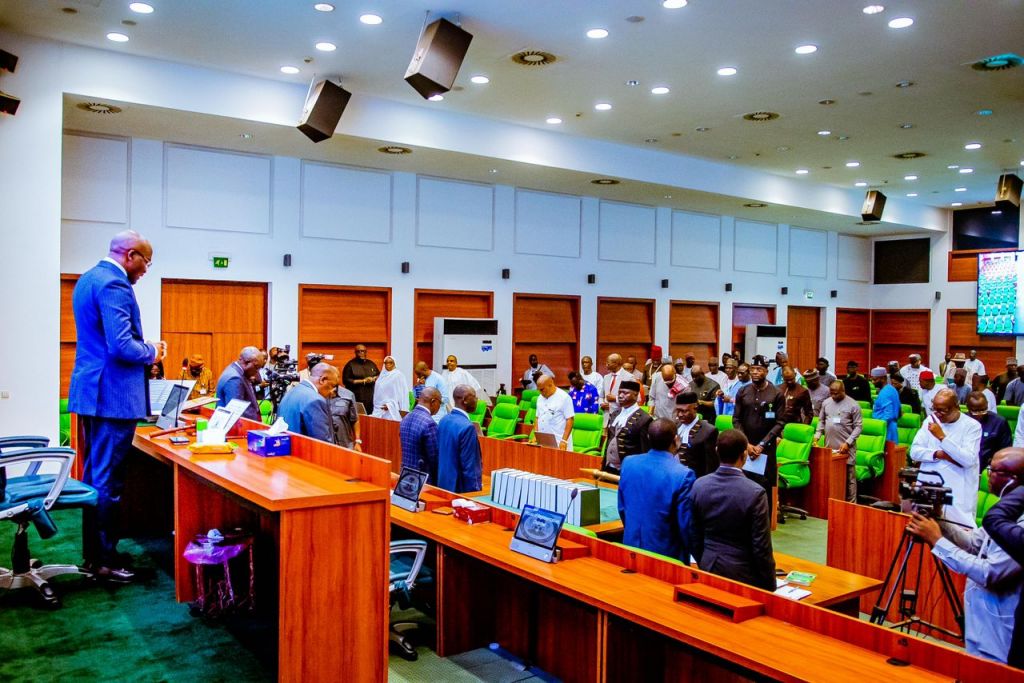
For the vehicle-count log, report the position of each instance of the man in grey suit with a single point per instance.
(237, 381)
(732, 533)
(305, 407)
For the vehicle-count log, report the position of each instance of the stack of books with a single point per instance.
(516, 488)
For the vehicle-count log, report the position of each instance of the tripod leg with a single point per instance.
(955, 602)
(891, 585)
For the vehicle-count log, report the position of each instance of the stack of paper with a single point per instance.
(515, 488)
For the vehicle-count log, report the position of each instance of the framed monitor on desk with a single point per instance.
(537, 532)
(172, 406)
(407, 491)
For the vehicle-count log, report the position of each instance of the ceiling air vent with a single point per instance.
(909, 155)
(998, 62)
(394, 149)
(98, 108)
(760, 116)
(534, 58)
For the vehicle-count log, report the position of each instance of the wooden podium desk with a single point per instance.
(608, 614)
(326, 510)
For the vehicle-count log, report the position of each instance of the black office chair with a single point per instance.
(406, 561)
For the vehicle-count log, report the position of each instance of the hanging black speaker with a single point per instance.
(1008, 191)
(323, 110)
(439, 53)
(874, 204)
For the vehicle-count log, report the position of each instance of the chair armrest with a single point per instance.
(517, 437)
(416, 548)
(23, 442)
(64, 456)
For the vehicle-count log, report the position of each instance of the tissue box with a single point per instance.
(269, 445)
(473, 513)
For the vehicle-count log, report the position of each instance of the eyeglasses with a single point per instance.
(148, 261)
(1006, 473)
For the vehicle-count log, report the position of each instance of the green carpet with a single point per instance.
(803, 538)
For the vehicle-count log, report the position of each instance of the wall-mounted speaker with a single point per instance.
(728, 286)
(287, 260)
(323, 110)
(938, 295)
(439, 53)
(405, 267)
(784, 291)
(591, 279)
(834, 294)
(8, 62)
(664, 284)
(8, 104)
(1008, 191)
(505, 273)
(874, 204)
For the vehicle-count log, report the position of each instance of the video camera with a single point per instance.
(282, 375)
(925, 498)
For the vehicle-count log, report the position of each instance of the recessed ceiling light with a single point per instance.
(852, 164)
(1022, 163)
(494, 170)
(480, 79)
(906, 126)
(905, 84)
(824, 132)
(650, 141)
(597, 33)
(997, 212)
(901, 22)
(553, 120)
(873, 9)
(860, 183)
(727, 71)
(959, 189)
(802, 171)
(702, 129)
(602, 106)
(246, 136)
(394, 149)
(140, 7)
(843, 138)
(632, 82)
(911, 194)
(370, 19)
(806, 49)
(826, 102)
(436, 98)
(755, 205)
(910, 177)
(659, 90)
(289, 69)
(957, 204)
(673, 4)
(952, 167)
(972, 145)
(323, 7)
(984, 112)
(605, 181)
(966, 170)
(326, 47)
(117, 37)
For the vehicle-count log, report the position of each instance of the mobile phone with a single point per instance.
(179, 440)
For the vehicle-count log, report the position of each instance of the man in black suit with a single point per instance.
(697, 437)
(627, 428)
(731, 527)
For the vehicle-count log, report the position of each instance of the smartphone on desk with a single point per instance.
(179, 440)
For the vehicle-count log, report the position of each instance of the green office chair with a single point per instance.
(904, 409)
(266, 408)
(723, 422)
(478, 415)
(1010, 414)
(65, 423)
(528, 395)
(864, 405)
(531, 416)
(793, 455)
(871, 450)
(587, 433)
(908, 426)
(506, 399)
(504, 419)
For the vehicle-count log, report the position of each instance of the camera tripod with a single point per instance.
(896, 580)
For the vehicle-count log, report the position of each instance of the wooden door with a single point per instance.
(803, 336)
(693, 328)
(68, 334)
(443, 303)
(549, 326)
(334, 319)
(626, 327)
(853, 334)
(749, 314)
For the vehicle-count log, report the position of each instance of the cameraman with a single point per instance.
(994, 579)
(1005, 524)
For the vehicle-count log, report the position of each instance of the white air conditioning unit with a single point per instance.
(764, 340)
(474, 341)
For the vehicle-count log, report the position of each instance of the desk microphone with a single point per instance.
(572, 498)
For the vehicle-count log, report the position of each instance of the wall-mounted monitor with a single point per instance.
(1000, 275)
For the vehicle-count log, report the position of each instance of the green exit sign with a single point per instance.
(220, 261)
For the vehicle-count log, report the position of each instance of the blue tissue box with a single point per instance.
(269, 445)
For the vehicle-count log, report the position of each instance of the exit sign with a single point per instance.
(220, 261)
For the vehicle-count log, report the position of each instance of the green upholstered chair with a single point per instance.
(65, 423)
(985, 501)
(266, 407)
(908, 426)
(646, 409)
(723, 422)
(479, 414)
(587, 433)
(793, 454)
(865, 405)
(528, 395)
(1010, 414)
(531, 416)
(871, 450)
(412, 400)
(504, 419)
(904, 409)
(506, 399)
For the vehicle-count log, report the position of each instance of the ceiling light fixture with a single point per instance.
(755, 205)
(826, 102)
(905, 84)
(602, 106)
(802, 171)
(906, 126)
(323, 7)
(860, 183)
(553, 120)
(117, 37)
(966, 170)
(959, 189)
(972, 145)
(911, 194)
(873, 9)
(824, 132)
(997, 212)
(394, 149)
(910, 177)
(597, 33)
(326, 47)
(673, 4)
(632, 82)
(289, 69)
(984, 112)
(901, 22)
(436, 98)
(806, 49)
(371, 19)
(702, 129)
(957, 204)
(727, 71)
(952, 167)
(852, 164)
(605, 181)
(140, 7)
(480, 79)
(659, 90)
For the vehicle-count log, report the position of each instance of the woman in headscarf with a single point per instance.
(391, 392)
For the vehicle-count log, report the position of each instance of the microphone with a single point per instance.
(572, 498)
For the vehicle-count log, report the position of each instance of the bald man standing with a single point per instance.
(305, 406)
(109, 390)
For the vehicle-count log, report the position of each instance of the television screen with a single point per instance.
(999, 280)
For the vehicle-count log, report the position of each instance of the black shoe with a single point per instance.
(111, 574)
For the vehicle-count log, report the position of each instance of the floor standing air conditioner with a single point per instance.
(765, 340)
(474, 341)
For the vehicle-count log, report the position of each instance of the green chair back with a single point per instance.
(871, 449)
(793, 454)
(985, 501)
(908, 426)
(864, 404)
(266, 407)
(1010, 414)
(504, 419)
(479, 413)
(904, 408)
(587, 431)
(723, 422)
(528, 395)
(506, 399)
(531, 416)
(65, 423)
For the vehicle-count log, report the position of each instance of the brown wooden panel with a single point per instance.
(962, 336)
(629, 321)
(334, 319)
(963, 264)
(67, 363)
(853, 334)
(895, 334)
(749, 314)
(444, 303)
(68, 333)
(549, 326)
(693, 328)
(181, 345)
(803, 335)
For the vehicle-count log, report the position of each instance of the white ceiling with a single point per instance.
(858, 64)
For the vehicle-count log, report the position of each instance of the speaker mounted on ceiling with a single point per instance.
(439, 53)
(1008, 191)
(324, 106)
(874, 204)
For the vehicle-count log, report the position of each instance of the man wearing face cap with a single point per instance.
(759, 414)
(627, 428)
(697, 437)
(887, 403)
(928, 390)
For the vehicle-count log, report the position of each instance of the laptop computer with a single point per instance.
(545, 439)
(407, 491)
(537, 532)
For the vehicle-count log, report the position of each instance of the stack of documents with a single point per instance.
(516, 488)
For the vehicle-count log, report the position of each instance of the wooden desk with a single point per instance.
(836, 589)
(610, 615)
(323, 513)
(828, 480)
(887, 486)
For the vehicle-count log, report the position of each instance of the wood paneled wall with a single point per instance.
(962, 336)
(853, 332)
(626, 327)
(68, 333)
(214, 318)
(549, 326)
(444, 303)
(333, 319)
(963, 264)
(749, 314)
(803, 336)
(693, 328)
(895, 334)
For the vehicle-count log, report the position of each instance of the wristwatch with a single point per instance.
(358, 441)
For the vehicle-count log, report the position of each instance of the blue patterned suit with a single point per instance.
(459, 466)
(110, 393)
(418, 433)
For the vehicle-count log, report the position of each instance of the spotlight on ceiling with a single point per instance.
(439, 53)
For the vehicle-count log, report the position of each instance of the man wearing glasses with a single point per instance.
(109, 390)
(946, 448)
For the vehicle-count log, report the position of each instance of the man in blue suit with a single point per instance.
(887, 404)
(109, 389)
(654, 496)
(418, 433)
(459, 465)
(237, 381)
(305, 407)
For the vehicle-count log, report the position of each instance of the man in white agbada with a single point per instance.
(390, 392)
(454, 376)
